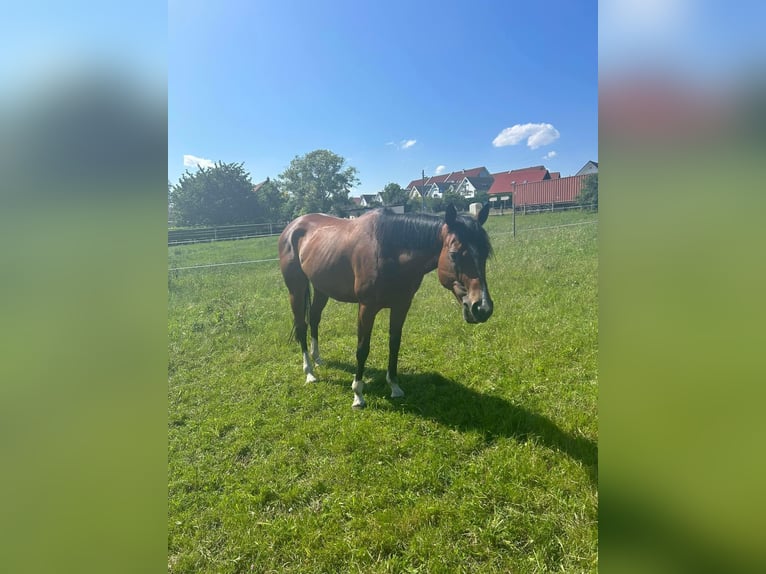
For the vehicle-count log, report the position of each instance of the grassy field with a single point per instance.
(488, 464)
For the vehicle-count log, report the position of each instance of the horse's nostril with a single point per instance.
(481, 310)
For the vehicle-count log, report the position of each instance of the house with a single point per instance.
(370, 199)
(437, 185)
(437, 189)
(588, 168)
(469, 186)
(505, 181)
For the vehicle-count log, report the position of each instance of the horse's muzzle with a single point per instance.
(478, 311)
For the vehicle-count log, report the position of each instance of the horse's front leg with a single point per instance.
(365, 323)
(398, 315)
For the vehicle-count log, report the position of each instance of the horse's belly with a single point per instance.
(335, 285)
(340, 264)
(333, 276)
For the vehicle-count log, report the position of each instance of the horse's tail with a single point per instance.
(290, 265)
(306, 311)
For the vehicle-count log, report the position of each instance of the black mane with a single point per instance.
(420, 231)
(400, 231)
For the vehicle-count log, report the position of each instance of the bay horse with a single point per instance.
(378, 261)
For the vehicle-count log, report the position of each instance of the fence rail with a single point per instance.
(223, 233)
(269, 260)
(189, 235)
(541, 207)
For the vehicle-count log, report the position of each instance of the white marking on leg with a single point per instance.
(396, 391)
(315, 351)
(310, 378)
(358, 388)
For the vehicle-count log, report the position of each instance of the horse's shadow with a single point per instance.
(447, 402)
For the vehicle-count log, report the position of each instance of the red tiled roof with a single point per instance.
(455, 176)
(504, 180)
(555, 174)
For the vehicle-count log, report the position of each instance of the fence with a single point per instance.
(223, 233)
(547, 207)
(523, 229)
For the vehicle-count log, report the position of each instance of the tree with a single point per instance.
(317, 182)
(218, 195)
(271, 202)
(588, 196)
(393, 194)
(460, 202)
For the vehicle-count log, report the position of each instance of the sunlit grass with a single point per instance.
(489, 463)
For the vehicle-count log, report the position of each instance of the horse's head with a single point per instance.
(462, 263)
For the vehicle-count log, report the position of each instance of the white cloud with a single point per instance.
(536, 135)
(550, 154)
(193, 160)
(406, 144)
(440, 169)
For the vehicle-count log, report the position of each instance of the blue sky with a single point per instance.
(394, 87)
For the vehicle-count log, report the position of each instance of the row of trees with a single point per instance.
(316, 182)
(223, 194)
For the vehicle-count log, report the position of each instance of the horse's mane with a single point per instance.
(396, 231)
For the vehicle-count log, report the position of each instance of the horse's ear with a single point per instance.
(483, 214)
(451, 216)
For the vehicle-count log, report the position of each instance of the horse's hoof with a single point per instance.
(358, 405)
(311, 378)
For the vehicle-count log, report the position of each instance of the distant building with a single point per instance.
(370, 199)
(534, 185)
(549, 193)
(438, 185)
(504, 182)
(588, 168)
(469, 186)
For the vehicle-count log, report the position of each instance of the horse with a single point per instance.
(378, 260)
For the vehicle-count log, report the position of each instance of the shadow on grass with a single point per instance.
(447, 402)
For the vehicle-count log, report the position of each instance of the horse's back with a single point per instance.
(327, 250)
(299, 228)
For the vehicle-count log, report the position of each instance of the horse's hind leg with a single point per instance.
(298, 303)
(364, 331)
(315, 315)
(298, 285)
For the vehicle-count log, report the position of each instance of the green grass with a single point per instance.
(488, 464)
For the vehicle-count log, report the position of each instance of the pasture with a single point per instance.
(488, 464)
